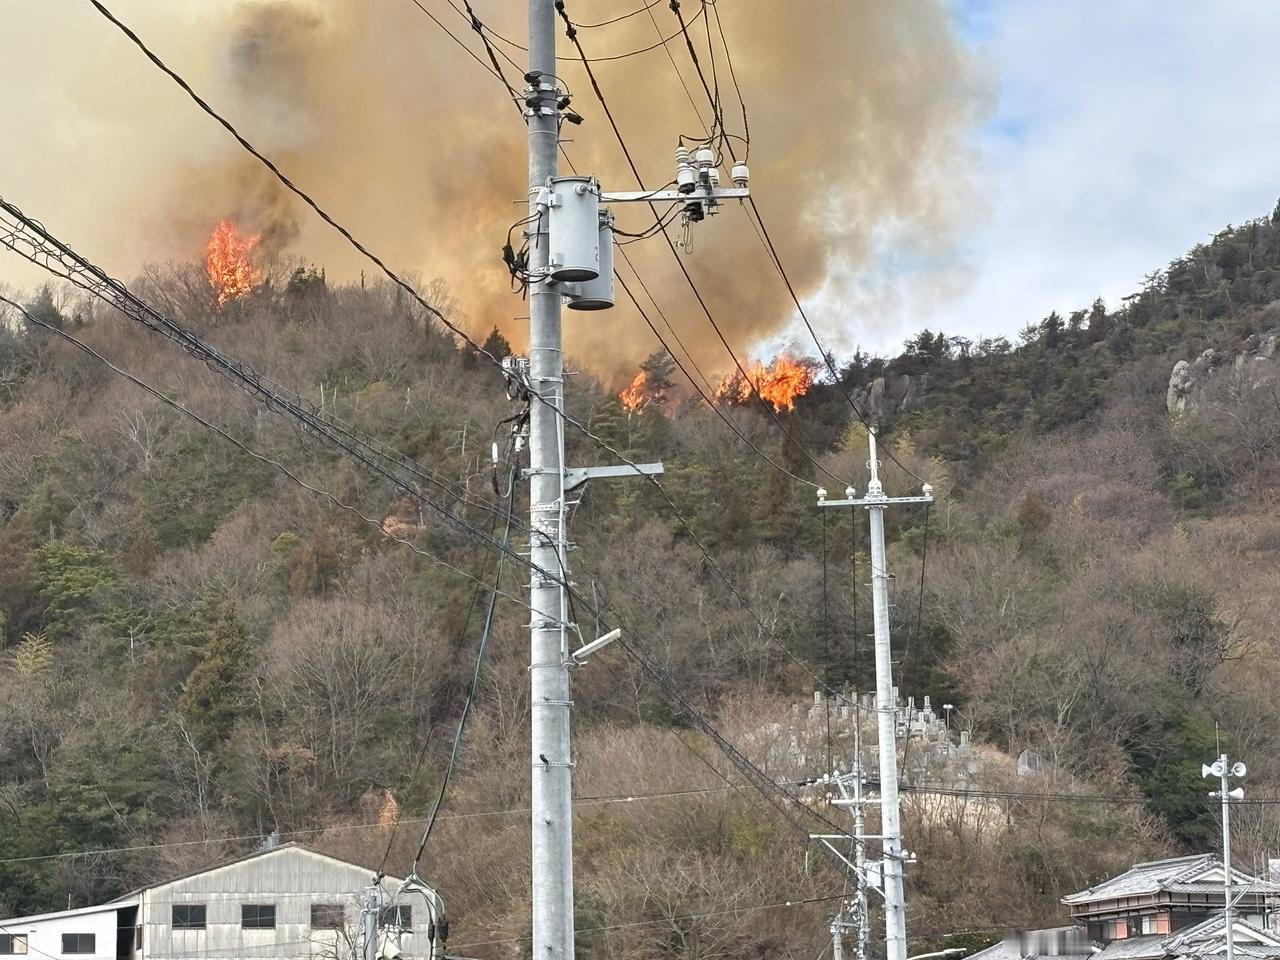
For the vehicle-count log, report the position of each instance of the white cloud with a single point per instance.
(1125, 133)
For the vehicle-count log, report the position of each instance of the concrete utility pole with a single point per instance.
(1224, 770)
(891, 866)
(552, 817)
(369, 922)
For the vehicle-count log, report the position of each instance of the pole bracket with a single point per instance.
(575, 477)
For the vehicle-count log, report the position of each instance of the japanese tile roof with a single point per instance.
(1178, 875)
(1133, 948)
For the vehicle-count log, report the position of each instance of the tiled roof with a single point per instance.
(1176, 875)
(1209, 936)
(1133, 948)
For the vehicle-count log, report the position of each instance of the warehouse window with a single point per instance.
(79, 943)
(258, 916)
(401, 917)
(189, 916)
(13, 944)
(327, 916)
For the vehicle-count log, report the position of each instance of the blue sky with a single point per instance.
(1124, 132)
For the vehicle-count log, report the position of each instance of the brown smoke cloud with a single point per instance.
(861, 115)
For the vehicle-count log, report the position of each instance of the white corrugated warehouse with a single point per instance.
(284, 902)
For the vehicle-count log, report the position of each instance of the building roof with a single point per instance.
(1194, 874)
(15, 922)
(1133, 948)
(1209, 936)
(234, 861)
(1027, 945)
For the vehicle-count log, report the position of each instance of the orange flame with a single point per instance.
(780, 384)
(229, 264)
(634, 397)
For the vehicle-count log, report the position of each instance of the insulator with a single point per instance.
(706, 157)
(740, 175)
(714, 174)
(686, 176)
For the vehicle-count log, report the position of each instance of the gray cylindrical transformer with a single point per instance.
(596, 294)
(574, 229)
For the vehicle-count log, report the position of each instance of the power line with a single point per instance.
(733, 911)
(495, 71)
(767, 240)
(481, 649)
(768, 408)
(604, 23)
(480, 351)
(662, 42)
(92, 279)
(364, 251)
(243, 447)
(733, 76)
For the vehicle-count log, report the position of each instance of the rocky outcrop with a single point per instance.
(887, 396)
(1189, 378)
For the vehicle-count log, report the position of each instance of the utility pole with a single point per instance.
(891, 866)
(552, 815)
(851, 785)
(369, 921)
(1224, 770)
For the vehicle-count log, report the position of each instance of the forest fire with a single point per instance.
(635, 396)
(781, 383)
(228, 260)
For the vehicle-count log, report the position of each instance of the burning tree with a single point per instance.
(780, 383)
(651, 385)
(229, 262)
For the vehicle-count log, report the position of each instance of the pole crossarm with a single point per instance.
(869, 502)
(575, 477)
(644, 196)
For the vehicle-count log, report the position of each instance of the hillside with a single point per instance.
(198, 650)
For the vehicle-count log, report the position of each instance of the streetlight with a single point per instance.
(946, 710)
(1224, 770)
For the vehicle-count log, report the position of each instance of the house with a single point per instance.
(1160, 910)
(1161, 897)
(282, 902)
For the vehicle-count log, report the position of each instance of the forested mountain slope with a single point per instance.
(199, 651)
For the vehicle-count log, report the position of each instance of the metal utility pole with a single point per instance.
(1224, 770)
(369, 921)
(891, 867)
(552, 816)
(851, 785)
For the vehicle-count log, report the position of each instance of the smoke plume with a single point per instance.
(861, 115)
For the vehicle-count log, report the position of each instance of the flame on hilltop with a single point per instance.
(635, 396)
(228, 260)
(781, 383)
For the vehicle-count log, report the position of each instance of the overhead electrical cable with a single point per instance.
(242, 446)
(364, 251)
(94, 280)
(482, 649)
(765, 404)
(759, 778)
(733, 76)
(618, 19)
(662, 42)
(466, 708)
(732, 911)
(771, 249)
(495, 70)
